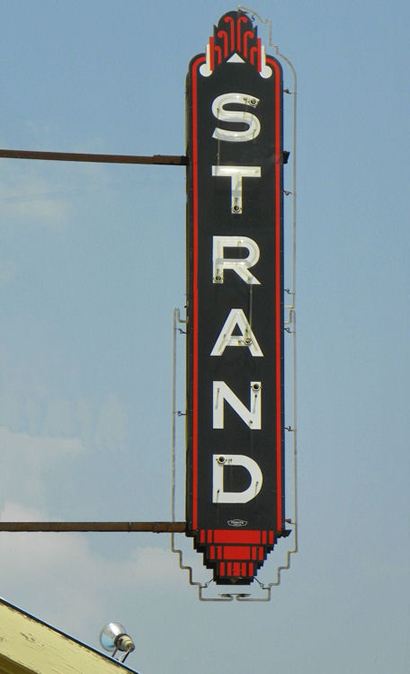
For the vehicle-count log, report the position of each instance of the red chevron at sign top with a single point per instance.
(235, 438)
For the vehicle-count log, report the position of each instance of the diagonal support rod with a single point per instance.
(158, 159)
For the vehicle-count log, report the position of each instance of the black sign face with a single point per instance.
(235, 472)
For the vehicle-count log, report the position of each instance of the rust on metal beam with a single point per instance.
(158, 159)
(154, 527)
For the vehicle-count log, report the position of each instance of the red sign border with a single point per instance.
(277, 285)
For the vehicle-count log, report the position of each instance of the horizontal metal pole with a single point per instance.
(158, 159)
(155, 527)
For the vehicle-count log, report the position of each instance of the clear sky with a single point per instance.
(91, 266)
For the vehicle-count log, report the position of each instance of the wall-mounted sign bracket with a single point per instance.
(154, 527)
(156, 159)
(103, 527)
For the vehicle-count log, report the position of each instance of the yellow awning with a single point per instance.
(29, 646)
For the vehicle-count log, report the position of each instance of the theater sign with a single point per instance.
(235, 467)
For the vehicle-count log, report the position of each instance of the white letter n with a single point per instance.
(251, 416)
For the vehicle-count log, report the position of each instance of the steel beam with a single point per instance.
(154, 527)
(158, 159)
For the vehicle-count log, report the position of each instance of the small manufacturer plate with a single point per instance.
(237, 523)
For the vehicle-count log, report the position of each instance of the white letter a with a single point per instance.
(236, 318)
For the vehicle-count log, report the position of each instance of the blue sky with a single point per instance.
(91, 266)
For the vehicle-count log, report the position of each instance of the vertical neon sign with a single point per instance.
(235, 466)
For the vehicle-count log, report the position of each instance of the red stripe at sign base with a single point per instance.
(231, 560)
(236, 552)
(232, 536)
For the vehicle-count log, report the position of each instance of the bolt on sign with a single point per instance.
(235, 436)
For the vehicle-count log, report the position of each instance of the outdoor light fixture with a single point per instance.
(114, 638)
